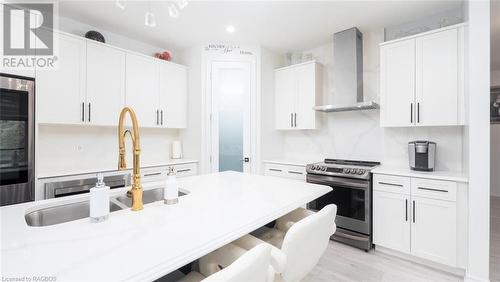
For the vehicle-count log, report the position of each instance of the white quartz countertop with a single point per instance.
(145, 245)
(406, 171)
(79, 172)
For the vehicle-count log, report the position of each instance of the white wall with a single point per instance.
(80, 28)
(272, 140)
(191, 136)
(477, 65)
(358, 135)
(81, 149)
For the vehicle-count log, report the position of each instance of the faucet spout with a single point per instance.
(136, 191)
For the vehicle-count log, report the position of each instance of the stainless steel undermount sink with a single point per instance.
(78, 210)
(62, 213)
(148, 196)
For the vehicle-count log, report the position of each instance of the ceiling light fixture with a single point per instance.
(230, 29)
(149, 18)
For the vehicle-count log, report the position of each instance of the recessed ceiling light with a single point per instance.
(230, 29)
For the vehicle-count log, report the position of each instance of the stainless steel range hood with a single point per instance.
(348, 73)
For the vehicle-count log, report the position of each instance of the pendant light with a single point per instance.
(149, 19)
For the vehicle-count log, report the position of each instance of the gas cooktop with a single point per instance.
(344, 168)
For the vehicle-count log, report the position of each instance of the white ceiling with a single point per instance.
(278, 25)
(495, 34)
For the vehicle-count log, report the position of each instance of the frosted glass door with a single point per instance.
(230, 124)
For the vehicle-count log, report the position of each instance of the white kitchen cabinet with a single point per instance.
(61, 91)
(421, 79)
(416, 216)
(391, 223)
(289, 171)
(105, 84)
(397, 83)
(173, 96)
(297, 91)
(434, 230)
(437, 76)
(141, 91)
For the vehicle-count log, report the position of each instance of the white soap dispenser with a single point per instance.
(171, 190)
(99, 201)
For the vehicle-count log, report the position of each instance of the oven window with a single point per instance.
(13, 137)
(350, 202)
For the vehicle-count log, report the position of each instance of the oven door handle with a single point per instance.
(340, 182)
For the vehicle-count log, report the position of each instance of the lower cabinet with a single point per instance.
(286, 171)
(416, 216)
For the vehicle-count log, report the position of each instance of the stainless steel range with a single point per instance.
(351, 182)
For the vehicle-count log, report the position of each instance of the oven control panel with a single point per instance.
(325, 169)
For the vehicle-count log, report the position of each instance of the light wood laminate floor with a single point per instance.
(344, 263)
(495, 239)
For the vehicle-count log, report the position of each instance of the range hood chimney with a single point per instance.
(348, 72)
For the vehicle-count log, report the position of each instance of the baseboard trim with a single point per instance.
(459, 272)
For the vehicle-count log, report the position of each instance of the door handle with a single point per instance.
(83, 111)
(246, 160)
(413, 211)
(295, 119)
(411, 112)
(161, 115)
(89, 112)
(390, 184)
(291, 119)
(157, 113)
(418, 112)
(406, 209)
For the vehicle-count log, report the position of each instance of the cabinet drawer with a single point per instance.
(390, 183)
(434, 189)
(295, 172)
(184, 170)
(274, 170)
(286, 171)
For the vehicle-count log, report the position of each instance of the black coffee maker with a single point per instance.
(422, 155)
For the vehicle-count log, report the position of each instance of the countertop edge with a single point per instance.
(438, 175)
(176, 162)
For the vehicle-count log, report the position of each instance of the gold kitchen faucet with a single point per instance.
(136, 191)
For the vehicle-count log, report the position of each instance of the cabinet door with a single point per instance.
(437, 78)
(141, 92)
(304, 115)
(285, 98)
(434, 230)
(105, 84)
(61, 91)
(173, 96)
(391, 221)
(397, 84)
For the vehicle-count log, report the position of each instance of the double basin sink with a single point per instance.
(78, 210)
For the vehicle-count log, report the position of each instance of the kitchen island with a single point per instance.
(145, 245)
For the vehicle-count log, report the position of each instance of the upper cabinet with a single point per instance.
(421, 79)
(157, 92)
(105, 84)
(173, 96)
(60, 92)
(93, 81)
(297, 91)
(142, 82)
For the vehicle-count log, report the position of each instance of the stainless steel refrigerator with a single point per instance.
(17, 142)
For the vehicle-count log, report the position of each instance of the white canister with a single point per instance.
(176, 150)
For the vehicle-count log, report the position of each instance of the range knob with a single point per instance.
(347, 170)
(323, 168)
(312, 167)
(360, 171)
